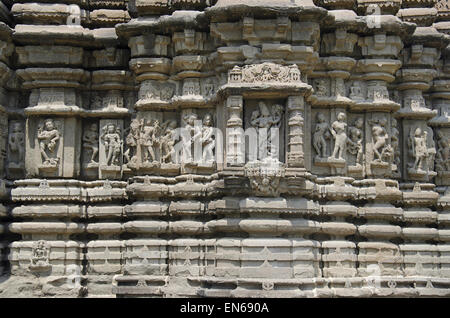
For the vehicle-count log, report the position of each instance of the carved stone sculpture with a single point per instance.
(208, 142)
(443, 152)
(39, 261)
(167, 141)
(48, 136)
(355, 140)
(189, 135)
(90, 143)
(264, 120)
(339, 132)
(321, 133)
(381, 149)
(16, 144)
(111, 138)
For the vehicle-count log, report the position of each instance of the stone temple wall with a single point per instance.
(125, 161)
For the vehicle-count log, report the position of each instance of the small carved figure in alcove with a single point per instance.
(48, 136)
(208, 142)
(381, 150)
(112, 142)
(355, 140)
(443, 153)
(338, 131)
(39, 260)
(90, 142)
(150, 140)
(395, 143)
(209, 87)
(418, 143)
(168, 141)
(321, 88)
(263, 118)
(321, 133)
(356, 91)
(132, 141)
(188, 135)
(16, 143)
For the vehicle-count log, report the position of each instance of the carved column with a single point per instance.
(376, 70)
(111, 100)
(235, 154)
(330, 105)
(53, 133)
(416, 77)
(294, 147)
(440, 94)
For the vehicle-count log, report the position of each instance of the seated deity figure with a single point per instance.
(40, 254)
(208, 142)
(90, 142)
(355, 140)
(112, 142)
(48, 137)
(168, 141)
(16, 142)
(321, 132)
(338, 131)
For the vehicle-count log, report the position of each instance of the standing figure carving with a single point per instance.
(16, 143)
(395, 142)
(321, 133)
(355, 141)
(112, 142)
(133, 141)
(263, 120)
(48, 137)
(90, 142)
(418, 143)
(382, 151)
(168, 141)
(208, 143)
(338, 131)
(443, 152)
(188, 136)
(150, 141)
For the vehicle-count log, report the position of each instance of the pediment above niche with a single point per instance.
(265, 78)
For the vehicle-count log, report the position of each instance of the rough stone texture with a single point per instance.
(99, 200)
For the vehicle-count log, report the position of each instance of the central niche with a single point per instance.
(265, 125)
